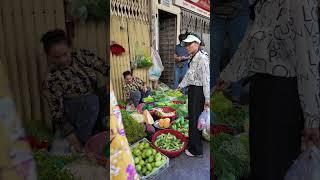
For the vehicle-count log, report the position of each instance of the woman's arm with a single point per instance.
(205, 78)
(54, 96)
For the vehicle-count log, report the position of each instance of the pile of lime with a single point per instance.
(147, 159)
(181, 125)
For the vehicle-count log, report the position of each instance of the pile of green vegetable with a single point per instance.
(134, 130)
(143, 61)
(219, 103)
(226, 114)
(231, 157)
(181, 125)
(50, 167)
(169, 95)
(168, 142)
(148, 99)
(147, 159)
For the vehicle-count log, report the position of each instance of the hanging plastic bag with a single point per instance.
(204, 120)
(306, 167)
(206, 132)
(157, 68)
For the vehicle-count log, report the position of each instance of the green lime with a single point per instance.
(158, 163)
(158, 158)
(154, 152)
(137, 152)
(141, 162)
(146, 145)
(150, 159)
(148, 152)
(136, 160)
(141, 147)
(138, 167)
(149, 167)
(144, 170)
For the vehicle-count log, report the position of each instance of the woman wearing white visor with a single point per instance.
(197, 81)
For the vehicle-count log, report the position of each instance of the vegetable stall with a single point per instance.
(229, 143)
(157, 130)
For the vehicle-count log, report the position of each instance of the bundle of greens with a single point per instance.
(87, 9)
(226, 114)
(231, 157)
(50, 167)
(220, 104)
(234, 118)
(134, 130)
(143, 61)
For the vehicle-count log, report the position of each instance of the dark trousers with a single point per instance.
(137, 96)
(82, 112)
(276, 122)
(195, 108)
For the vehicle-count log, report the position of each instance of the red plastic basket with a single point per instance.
(220, 128)
(178, 102)
(95, 146)
(170, 154)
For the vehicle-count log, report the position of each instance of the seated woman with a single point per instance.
(71, 86)
(135, 89)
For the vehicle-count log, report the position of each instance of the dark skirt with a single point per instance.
(196, 102)
(276, 122)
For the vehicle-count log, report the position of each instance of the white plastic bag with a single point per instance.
(306, 167)
(204, 120)
(157, 68)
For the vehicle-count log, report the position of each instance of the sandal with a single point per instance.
(191, 155)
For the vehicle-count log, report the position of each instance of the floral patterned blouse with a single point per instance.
(121, 160)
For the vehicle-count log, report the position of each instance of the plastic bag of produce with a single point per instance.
(157, 68)
(147, 117)
(204, 120)
(306, 167)
(138, 117)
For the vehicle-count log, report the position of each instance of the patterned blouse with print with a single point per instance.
(136, 85)
(198, 74)
(78, 79)
(283, 41)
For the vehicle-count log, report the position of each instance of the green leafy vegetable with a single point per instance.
(230, 156)
(134, 130)
(50, 167)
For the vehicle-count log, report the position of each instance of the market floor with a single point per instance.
(188, 168)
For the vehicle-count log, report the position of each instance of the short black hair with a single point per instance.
(126, 73)
(182, 37)
(53, 37)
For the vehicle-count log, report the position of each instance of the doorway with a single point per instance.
(167, 44)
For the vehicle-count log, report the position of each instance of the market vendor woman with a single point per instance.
(135, 89)
(71, 87)
(197, 81)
